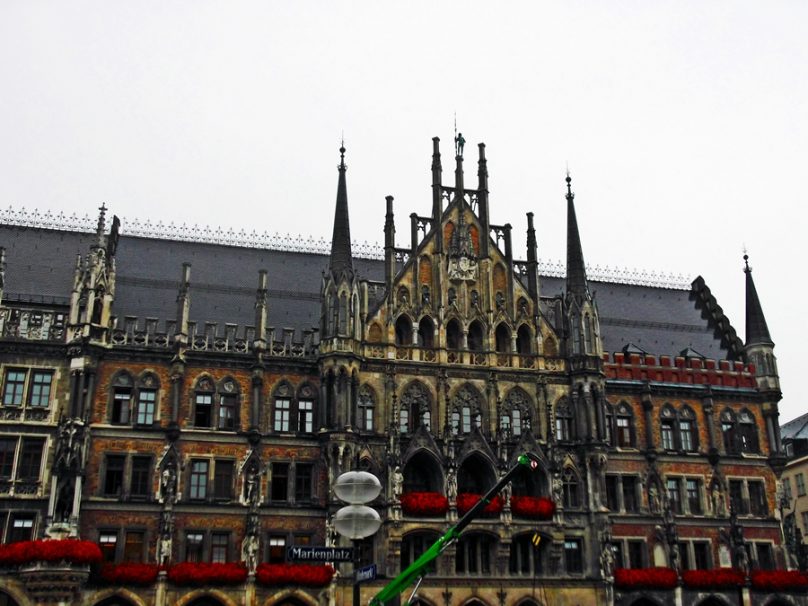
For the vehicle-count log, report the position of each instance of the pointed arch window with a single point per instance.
(688, 436)
(570, 489)
(565, 422)
(466, 407)
(367, 405)
(416, 408)
(747, 432)
(516, 412)
(121, 399)
(576, 333)
(503, 338)
(678, 429)
(667, 428)
(306, 406)
(454, 336)
(426, 333)
(728, 430)
(146, 399)
(476, 338)
(524, 340)
(624, 435)
(403, 331)
(588, 340)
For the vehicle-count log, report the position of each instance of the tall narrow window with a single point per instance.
(630, 502)
(113, 478)
(280, 482)
(747, 433)
(737, 502)
(303, 479)
(757, 498)
(146, 399)
(404, 420)
(701, 555)
(40, 390)
(227, 412)
(22, 528)
(13, 388)
(666, 429)
(108, 542)
(141, 477)
(517, 422)
(30, 464)
(573, 560)
(223, 480)
(277, 549)
(728, 430)
(282, 407)
(570, 489)
(305, 416)
(199, 479)
(133, 546)
(564, 422)
(194, 546)
(674, 495)
(694, 496)
(203, 414)
(219, 546)
(366, 406)
(121, 398)
(8, 446)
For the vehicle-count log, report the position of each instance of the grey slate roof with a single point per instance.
(224, 279)
(795, 429)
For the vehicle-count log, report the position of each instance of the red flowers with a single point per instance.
(424, 504)
(50, 550)
(645, 578)
(203, 573)
(308, 575)
(540, 508)
(465, 501)
(130, 574)
(717, 578)
(779, 580)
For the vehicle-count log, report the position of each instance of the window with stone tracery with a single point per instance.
(465, 409)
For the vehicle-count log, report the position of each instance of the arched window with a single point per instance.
(524, 340)
(688, 433)
(375, 333)
(366, 401)
(667, 428)
(575, 329)
(476, 340)
(454, 336)
(728, 430)
(121, 399)
(414, 544)
(282, 408)
(516, 412)
(426, 332)
(588, 341)
(134, 401)
(475, 553)
(624, 427)
(747, 432)
(525, 557)
(565, 423)
(503, 338)
(475, 475)
(570, 489)
(466, 409)
(422, 473)
(403, 331)
(416, 407)
(343, 313)
(306, 420)
(528, 482)
(550, 347)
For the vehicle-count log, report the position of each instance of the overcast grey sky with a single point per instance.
(684, 124)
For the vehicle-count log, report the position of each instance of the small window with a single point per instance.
(674, 495)
(227, 412)
(738, 503)
(765, 556)
(223, 480)
(22, 528)
(305, 416)
(666, 429)
(630, 502)
(694, 496)
(573, 560)
(624, 431)
(41, 381)
(121, 399)
(280, 482)
(611, 493)
(219, 547)
(757, 498)
(787, 488)
(146, 399)
(14, 387)
(133, 546)
(303, 482)
(194, 546)
(282, 408)
(799, 480)
(203, 413)
(8, 446)
(30, 463)
(570, 488)
(701, 555)
(141, 477)
(108, 542)
(113, 477)
(636, 554)
(277, 549)
(199, 479)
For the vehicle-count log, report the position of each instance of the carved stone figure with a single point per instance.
(460, 142)
(398, 483)
(451, 484)
(654, 503)
(718, 501)
(249, 552)
(168, 483)
(607, 560)
(63, 507)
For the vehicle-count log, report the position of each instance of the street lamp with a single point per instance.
(356, 520)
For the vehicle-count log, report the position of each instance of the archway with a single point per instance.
(476, 475)
(422, 474)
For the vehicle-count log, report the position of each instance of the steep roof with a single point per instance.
(40, 262)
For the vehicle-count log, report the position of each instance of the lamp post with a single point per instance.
(356, 520)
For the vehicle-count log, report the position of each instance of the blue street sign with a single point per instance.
(367, 573)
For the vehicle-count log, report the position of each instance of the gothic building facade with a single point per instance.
(192, 399)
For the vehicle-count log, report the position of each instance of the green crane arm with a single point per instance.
(419, 567)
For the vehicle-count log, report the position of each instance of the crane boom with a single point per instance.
(419, 567)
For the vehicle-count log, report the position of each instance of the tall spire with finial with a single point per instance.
(341, 259)
(757, 332)
(99, 231)
(576, 268)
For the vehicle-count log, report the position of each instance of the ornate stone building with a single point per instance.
(180, 395)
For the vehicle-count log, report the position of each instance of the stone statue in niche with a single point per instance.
(398, 483)
(462, 258)
(451, 483)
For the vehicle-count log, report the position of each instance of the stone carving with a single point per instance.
(398, 483)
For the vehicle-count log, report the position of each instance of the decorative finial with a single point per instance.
(569, 183)
(102, 210)
(342, 153)
(746, 268)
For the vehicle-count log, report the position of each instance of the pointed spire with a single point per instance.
(576, 268)
(756, 329)
(341, 259)
(99, 231)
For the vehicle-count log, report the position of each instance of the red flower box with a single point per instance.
(717, 578)
(307, 575)
(645, 578)
(779, 580)
(465, 501)
(130, 574)
(203, 573)
(540, 508)
(50, 550)
(424, 504)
